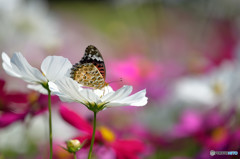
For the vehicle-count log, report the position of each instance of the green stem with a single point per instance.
(50, 123)
(75, 156)
(93, 135)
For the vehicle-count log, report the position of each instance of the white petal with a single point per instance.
(7, 66)
(55, 67)
(185, 92)
(137, 99)
(119, 94)
(64, 97)
(25, 70)
(107, 89)
(99, 92)
(37, 87)
(104, 91)
(67, 88)
(90, 96)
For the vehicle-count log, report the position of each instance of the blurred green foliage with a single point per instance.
(111, 19)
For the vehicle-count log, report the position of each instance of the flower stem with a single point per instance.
(75, 156)
(93, 135)
(50, 123)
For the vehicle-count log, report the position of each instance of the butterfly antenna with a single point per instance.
(121, 80)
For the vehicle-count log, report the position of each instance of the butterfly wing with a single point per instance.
(93, 55)
(88, 75)
(90, 71)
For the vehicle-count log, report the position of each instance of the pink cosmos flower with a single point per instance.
(139, 71)
(226, 43)
(15, 106)
(123, 148)
(9, 106)
(215, 133)
(58, 151)
(222, 139)
(209, 129)
(38, 103)
(190, 122)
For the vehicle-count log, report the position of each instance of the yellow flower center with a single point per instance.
(107, 134)
(217, 88)
(33, 97)
(218, 134)
(62, 154)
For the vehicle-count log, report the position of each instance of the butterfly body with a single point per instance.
(90, 71)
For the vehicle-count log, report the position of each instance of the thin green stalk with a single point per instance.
(50, 123)
(75, 156)
(93, 135)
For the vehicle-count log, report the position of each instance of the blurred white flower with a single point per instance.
(70, 91)
(220, 87)
(191, 90)
(17, 138)
(28, 22)
(53, 68)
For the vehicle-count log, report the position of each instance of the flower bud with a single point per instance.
(73, 145)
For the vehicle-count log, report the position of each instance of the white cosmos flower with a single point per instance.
(70, 91)
(219, 87)
(27, 22)
(53, 68)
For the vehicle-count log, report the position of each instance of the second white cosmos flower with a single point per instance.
(70, 91)
(52, 68)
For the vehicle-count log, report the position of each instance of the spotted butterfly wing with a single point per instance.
(90, 71)
(93, 55)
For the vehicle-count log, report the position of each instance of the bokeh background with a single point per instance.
(186, 54)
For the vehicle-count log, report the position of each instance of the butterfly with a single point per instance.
(90, 71)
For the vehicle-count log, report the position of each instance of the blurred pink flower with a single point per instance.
(16, 106)
(38, 103)
(9, 106)
(141, 72)
(214, 132)
(58, 151)
(123, 148)
(190, 122)
(8, 118)
(210, 129)
(226, 43)
(223, 139)
(153, 141)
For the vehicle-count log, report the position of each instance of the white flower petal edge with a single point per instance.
(7, 66)
(37, 87)
(18, 66)
(55, 67)
(28, 72)
(137, 99)
(105, 90)
(119, 94)
(69, 90)
(55, 90)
